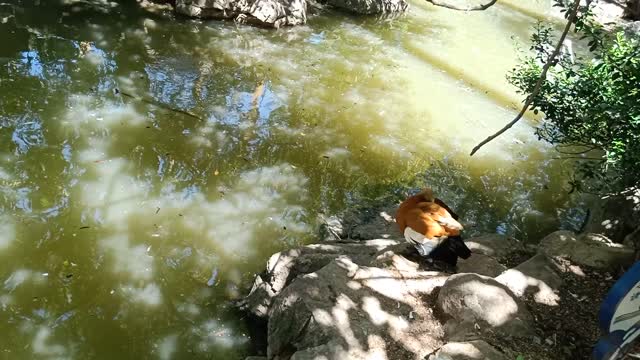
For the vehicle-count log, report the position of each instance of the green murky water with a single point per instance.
(126, 228)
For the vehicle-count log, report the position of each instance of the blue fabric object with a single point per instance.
(625, 292)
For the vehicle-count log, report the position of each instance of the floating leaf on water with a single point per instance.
(212, 279)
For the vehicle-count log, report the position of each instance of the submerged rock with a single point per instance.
(346, 311)
(477, 303)
(471, 350)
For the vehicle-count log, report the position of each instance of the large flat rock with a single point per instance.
(346, 311)
(476, 302)
(285, 266)
(590, 249)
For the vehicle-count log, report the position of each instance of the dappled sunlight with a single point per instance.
(150, 166)
(7, 232)
(43, 346)
(211, 334)
(88, 114)
(23, 276)
(134, 261)
(542, 292)
(149, 295)
(495, 313)
(167, 347)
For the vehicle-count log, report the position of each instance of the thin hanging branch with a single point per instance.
(541, 79)
(448, 5)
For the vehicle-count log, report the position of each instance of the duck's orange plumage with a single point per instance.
(429, 220)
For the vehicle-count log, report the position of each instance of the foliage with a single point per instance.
(590, 104)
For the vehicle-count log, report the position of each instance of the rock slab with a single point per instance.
(479, 302)
(588, 249)
(494, 245)
(285, 266)
(539, 276)
(471, 350)
(345, 311)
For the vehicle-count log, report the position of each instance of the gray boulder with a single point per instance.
(346, 311)
(478, 303)
(471, 350)
(277, 13)
(589, 249)
(539, 276)
(332, 228)
(271, 13)
(615, 217)
(482, 265)
(495, 245)
(370, 7)
(285, 266)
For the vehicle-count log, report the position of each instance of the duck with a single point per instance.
(432, 228)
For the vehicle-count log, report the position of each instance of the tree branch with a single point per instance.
(448, 5)
(541, 79)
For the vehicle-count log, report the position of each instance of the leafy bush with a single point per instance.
(591, 105)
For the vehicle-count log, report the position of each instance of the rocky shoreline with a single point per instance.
(274, 13)
(372, 297)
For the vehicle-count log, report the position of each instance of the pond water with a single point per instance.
(150, 165)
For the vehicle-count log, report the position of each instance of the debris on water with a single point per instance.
(84, 227)
(112, 292)
(157, 210)
(212, 279)
(45, 274)
(216, 173)
(64, 317)
(69, 276)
